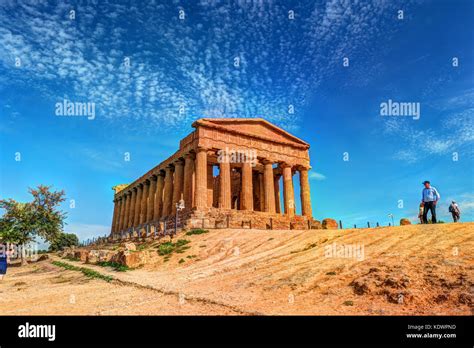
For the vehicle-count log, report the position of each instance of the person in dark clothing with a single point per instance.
(429, 198)
(455, 211)
(3, 260)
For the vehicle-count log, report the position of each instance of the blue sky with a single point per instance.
(189, 65)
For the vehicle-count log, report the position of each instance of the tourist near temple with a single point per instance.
(225, 174)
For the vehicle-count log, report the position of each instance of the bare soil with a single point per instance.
(405, 270)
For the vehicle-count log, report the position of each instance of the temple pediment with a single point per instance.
(252, 127)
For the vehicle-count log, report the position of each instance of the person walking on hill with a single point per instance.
(455, 211)
(429, 198)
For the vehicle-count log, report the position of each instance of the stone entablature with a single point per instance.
(241, 185)
(118, 188)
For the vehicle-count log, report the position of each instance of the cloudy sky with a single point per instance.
(319, 69)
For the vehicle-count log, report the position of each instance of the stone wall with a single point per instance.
(231, 218)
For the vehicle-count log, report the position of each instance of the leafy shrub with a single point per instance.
(115, 265)
(64, 240)
(168, 248)
(196, 231)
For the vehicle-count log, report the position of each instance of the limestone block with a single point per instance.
(93, 257)
(330, 224)
(130, 246)
(81, 255)
(405, 222)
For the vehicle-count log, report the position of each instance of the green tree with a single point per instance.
(65, 240)
(21, 223)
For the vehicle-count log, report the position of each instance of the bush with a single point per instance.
(64, 240)
(196, 231)
(167, 248)
(115, 265)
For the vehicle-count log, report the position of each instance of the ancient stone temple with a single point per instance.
(227, 173)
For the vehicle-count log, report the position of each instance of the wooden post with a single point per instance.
(340, 224)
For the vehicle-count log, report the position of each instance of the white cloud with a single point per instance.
(407, 156)
(316, 176)
(187, 62)
(454, 132)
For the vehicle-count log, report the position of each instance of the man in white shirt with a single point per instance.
(429, 199)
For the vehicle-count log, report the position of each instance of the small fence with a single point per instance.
(169, 227)
(368, 225)
(153, 229)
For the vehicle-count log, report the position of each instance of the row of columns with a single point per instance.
(156, 197)
(270, 186)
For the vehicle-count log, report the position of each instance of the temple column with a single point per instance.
(151, 199)
(305, 195)
(178, 184)
(143, 208)
(224, 183)
(200, 190)
(158, 197)
(276, 188)
(246, 192)
(269, 188)
(188, 180)
(288, 193)
(127, 209)
(114, 217)
(122, 212)
(119, 216)
(210, 185)
(131, 219)
(138, 200)
(168, 192)
(261, 192)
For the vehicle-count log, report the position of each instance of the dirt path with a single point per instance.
(45, 289)
(420, 270)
